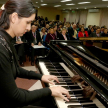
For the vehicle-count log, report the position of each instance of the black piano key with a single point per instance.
(56, 72)
(72, 87)
(74, 101)
(64, 83)
(83, 106)
(75, 106)
(76, 94)
(61, 74)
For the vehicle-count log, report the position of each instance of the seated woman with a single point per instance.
(43, 33)
(105, 34)
(50, 36)
(63, 35)
(82, 33)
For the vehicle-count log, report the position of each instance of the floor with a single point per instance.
(25, 83)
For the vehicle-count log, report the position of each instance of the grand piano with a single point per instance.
(67, 59)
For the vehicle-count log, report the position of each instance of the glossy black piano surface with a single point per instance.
(88, 62)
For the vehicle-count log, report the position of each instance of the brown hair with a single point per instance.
(24, 8)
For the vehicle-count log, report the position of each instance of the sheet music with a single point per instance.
(37, 46)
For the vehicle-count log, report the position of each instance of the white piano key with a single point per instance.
(67, 69)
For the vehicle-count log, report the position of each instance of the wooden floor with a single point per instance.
(25, 83)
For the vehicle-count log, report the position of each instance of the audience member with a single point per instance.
(47, 28)
(35, 39)
(75, 31)
(82, 33)
(50, 36)
(43, 33)
(63, 35)
(70, 31)
(102, 29)
(105, 34)
(56, 32)
(96, 34)
(90, 31)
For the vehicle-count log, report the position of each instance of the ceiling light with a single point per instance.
(43, 4)
(38, 7)
(36, 2)
(65, 0)
(83, 2)
(70, 4)
(94, 7)
(104, 0)
(57, 5)
(76, 8)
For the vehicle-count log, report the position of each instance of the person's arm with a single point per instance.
(14, 96)
(23, 73)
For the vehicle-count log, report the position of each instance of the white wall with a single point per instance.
(93, 19)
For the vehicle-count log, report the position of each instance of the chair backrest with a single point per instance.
(44, 37)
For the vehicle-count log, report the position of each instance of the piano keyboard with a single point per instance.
(64, 76)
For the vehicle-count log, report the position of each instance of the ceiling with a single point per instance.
(52, 3)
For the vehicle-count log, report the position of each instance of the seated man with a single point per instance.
(105, 34)
(96, 34)
(34, 39)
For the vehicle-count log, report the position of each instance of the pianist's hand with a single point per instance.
(58, 91)
(76, 78)
(49, 78)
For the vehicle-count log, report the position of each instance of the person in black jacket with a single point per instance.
(63, 35)
(105, 34)
(15, 20)
(70, 32)
(34, 39)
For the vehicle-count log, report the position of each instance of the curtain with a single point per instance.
(74, 17)
(83, 17)
(78, 16)
(104, 18)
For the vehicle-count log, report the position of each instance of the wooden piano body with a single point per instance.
(71, 58)
(101, 42)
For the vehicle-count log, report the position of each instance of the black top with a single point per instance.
(32, 39)
(104, 35)
(11, 96)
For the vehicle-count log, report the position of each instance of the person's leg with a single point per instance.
(32, 55)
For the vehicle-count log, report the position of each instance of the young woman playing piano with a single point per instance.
(15, 19)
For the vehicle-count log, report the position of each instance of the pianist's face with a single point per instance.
(21, 25)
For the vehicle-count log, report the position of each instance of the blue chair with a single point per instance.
(44, 43)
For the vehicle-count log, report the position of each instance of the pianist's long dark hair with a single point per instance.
(24, 8)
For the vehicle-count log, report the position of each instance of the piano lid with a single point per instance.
(92, 51)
